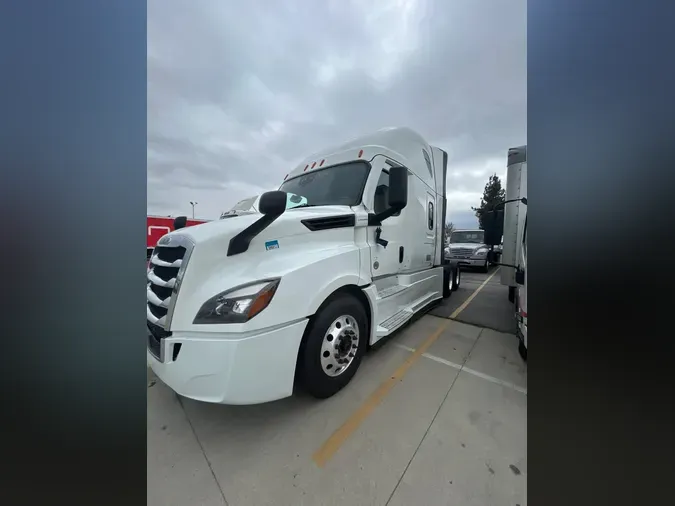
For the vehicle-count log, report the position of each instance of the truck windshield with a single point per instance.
(341, 185)
(473, 236)
(245, 204)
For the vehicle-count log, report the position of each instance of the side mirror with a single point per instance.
(273, 203)
(398, 187)
(493, 226)
(180, 222)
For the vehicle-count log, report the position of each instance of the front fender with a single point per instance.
(330, 287)
(304, 288)
(308, 277)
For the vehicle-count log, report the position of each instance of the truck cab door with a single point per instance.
(389, 260)
(430, 232)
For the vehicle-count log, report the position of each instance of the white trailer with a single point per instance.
(514, 250)
(521, 298)
(515, 213)
(245, 309)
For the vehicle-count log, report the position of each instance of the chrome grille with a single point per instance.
(167, 265)
(462, 252)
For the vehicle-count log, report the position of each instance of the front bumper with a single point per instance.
(230, 368)
(470, 262)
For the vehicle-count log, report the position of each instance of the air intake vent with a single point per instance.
(166, 264)
(316, 224)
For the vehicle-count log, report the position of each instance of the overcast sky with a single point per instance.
(240, 92)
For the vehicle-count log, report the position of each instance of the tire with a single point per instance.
(458, 279)
(522, 350)
(486, 267)
(347, 318)
(448, 282)
(512, 294)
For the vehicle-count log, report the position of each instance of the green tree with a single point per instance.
(493, 194)
(449, 227)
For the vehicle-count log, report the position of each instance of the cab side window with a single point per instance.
(381, 202)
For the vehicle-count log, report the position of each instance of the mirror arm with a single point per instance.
(501, 204)
(387, 213)
(240, 242)
(377, 219)
(505, 265)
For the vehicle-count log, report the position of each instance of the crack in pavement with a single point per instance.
(445, 398)
(194, 432)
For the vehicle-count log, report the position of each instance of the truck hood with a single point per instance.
(284, 247)
(468, 245)
(287, 225)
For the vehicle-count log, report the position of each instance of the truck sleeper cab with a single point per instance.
(245, 309)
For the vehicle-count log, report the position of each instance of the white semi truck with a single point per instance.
(250, 205)
(246, 206)
(243, 310)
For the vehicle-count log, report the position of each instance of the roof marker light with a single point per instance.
(306, 167)
(360, 153)
(322, 162)
(314, 164)
(285, 177)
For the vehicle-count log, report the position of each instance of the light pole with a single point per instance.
(193, 204)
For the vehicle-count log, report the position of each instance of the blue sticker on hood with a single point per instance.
(272, 245)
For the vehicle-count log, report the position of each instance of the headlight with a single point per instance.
(480, 252)
(237, 305)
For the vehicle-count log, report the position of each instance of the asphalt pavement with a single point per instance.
(490, 308)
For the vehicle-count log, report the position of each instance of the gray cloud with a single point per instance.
(239, 92)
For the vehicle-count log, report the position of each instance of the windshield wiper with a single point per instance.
(303, 205)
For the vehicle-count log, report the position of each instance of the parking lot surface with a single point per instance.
(437, 415)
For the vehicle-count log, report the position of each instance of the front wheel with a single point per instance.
(333, 346)
(486, 267)
(458, 279)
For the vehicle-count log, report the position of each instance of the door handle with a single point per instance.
(379, 240)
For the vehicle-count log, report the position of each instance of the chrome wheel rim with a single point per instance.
(339, 346)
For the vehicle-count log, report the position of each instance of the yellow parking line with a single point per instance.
(337, 439)
(472, 296)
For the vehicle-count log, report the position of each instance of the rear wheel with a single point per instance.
(333, 346)
(458, 279)
(448, 282)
